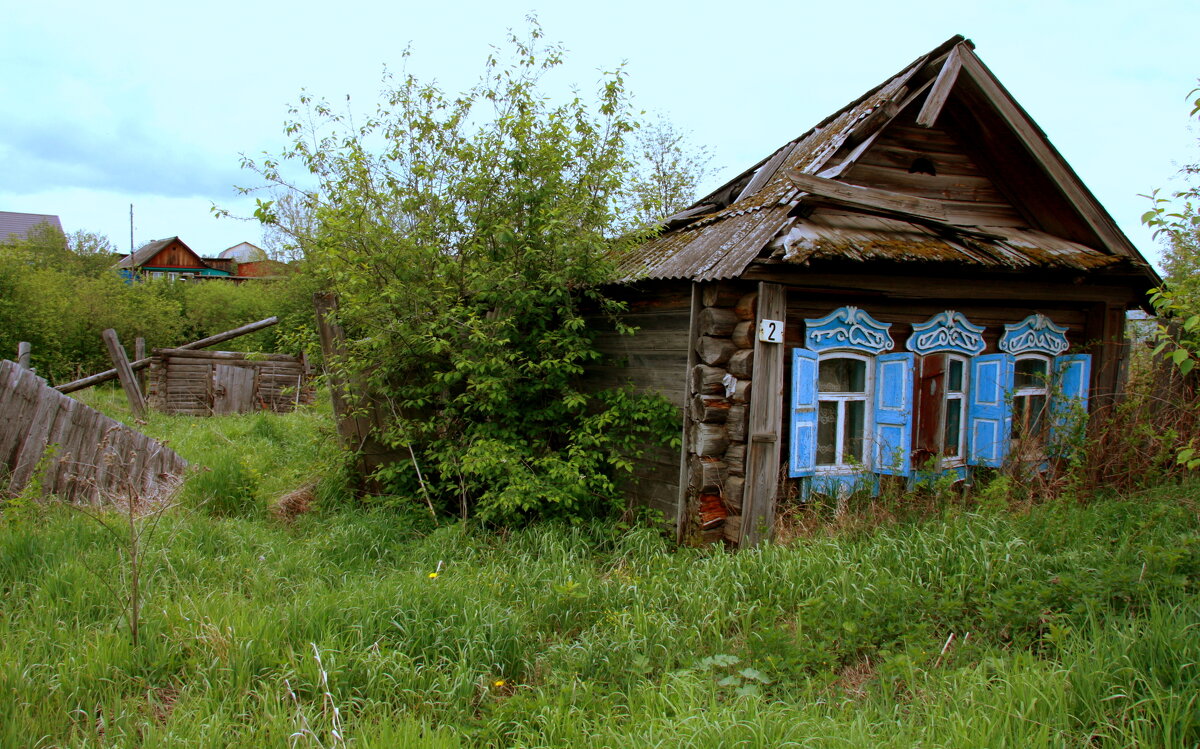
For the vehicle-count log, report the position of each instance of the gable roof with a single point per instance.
(19, 224)
(144, 254)
(798, 204)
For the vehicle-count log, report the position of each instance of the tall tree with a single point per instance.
(667, 170)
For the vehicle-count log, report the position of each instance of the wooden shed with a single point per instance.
(918, 285)
(203, 383)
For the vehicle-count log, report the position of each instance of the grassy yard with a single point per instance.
(1073, 625)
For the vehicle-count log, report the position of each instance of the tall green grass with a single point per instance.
(1082, 622)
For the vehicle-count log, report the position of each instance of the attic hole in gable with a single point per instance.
(922, 165)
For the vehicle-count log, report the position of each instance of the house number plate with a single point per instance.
(770, 331)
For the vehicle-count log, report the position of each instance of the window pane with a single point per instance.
(954, 376)
(1037, 415)
(852, 436)
(950, 438)
(842, 376)
(1030, 373)
(826, 432)
(1028, 416)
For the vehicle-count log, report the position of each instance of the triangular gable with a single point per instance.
(1011, 177)
(171, 252)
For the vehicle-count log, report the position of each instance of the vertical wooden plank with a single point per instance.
(139, 353)
(8, 381)
(68, 457)
(681, 502)
(18, 415)
(766, 424)
(88, 457)
(59, 430)
(34, 444)
(128, 381)
(24, 349)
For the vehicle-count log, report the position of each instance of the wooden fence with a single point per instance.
(75, 451)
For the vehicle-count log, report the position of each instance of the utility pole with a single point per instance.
(131, 228)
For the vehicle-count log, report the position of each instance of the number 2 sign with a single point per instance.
(770, 331)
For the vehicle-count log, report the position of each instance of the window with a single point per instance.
(953, 442)
(851, 403)
(842, 388)
(1031, 376)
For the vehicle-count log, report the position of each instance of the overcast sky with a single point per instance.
(107, 104)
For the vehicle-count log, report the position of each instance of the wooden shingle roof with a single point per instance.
(812, 199)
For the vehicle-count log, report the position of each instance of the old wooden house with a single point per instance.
(168, 258)
(918, 285)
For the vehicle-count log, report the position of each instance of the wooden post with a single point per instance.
(139, 353)
(124, 372)
(23, 352)
(699, 381)
(766, 425)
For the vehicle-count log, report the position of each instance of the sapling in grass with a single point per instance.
(131, 514)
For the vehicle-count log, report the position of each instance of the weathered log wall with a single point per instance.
(719, 388)
(187, 382)
(74, 451)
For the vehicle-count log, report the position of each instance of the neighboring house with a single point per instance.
(252, 261)
(919, 285)
(18, 225)
(167, 258)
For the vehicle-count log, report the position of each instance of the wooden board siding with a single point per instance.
(175, 256)
(967, 193)
(74, 451)
(654, 360)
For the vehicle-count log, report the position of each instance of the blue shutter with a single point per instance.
(1068, 397)
(989, 411)
(803, 458)
(892, 428)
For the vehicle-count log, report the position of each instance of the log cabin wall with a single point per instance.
(185, 382)
(719, 389)
(654, 360)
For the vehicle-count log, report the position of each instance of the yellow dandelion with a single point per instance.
(498, 683)
(432, 575)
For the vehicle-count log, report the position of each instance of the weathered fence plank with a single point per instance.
(75, 451)
(129, 382)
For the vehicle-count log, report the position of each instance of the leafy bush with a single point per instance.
(468, 238)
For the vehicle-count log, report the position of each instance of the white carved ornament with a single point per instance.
(947, 331)
(1035, 334)
(848, 328)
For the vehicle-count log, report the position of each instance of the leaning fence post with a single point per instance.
(23, 352)
(124, 372)
(139, 353)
